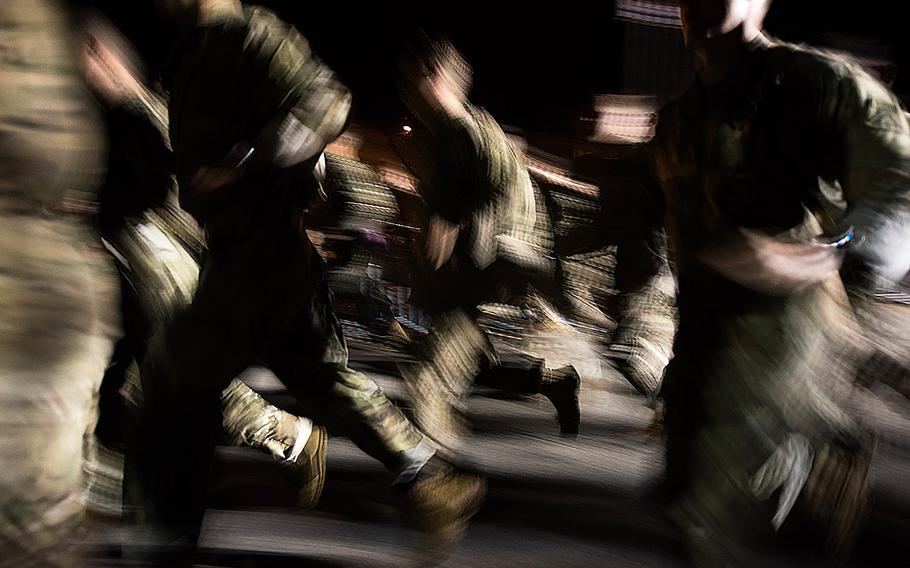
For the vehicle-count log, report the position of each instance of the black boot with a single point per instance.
(561, 386)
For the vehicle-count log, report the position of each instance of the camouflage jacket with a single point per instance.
(239, 79)
(477, 179)
(763, 151)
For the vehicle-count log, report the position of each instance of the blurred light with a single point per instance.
(624, 119)
(406, 128)
(663, 14)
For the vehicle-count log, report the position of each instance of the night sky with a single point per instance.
(534, 66)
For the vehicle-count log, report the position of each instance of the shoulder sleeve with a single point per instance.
(869, 144)
(306, 95)
(474, 170)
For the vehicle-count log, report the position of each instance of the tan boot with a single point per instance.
(311, 467)
(440, 503)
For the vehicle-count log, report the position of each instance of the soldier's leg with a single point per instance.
(189, 363)
(112, 416)
(247, 420)
(162, 276)
(642, 343)
(53, 345)
(250, 420)
(449, 359)
(53, 350)
(561, 386)
(440, 498)
(519, 377)
(312, 362)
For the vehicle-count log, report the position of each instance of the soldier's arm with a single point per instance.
(748, 257)
(477, 167)
(872, 147)
(147, 154)
(313, 105)
(308, 108)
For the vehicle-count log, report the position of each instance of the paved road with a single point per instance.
(552, 501)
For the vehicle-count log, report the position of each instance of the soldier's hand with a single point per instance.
(771, 266)
(441, 237)
(107, 75)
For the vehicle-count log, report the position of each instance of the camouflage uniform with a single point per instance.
(153, 242)
(473, 177)
(262, 296)
(755, 391)
(644, 303)
(642, 343)
(55, 331)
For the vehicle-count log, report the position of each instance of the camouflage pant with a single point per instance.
(455, 355)
(261, 298)
(54, 344)
(450, 358)
(642, 344)
(159, 278)
(54, 339)
(755, 401)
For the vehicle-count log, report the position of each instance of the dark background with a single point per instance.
(535, 65)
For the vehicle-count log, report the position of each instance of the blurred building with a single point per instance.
(655, 61)
(655, 69)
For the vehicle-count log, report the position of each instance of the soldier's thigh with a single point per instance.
(203, 347)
